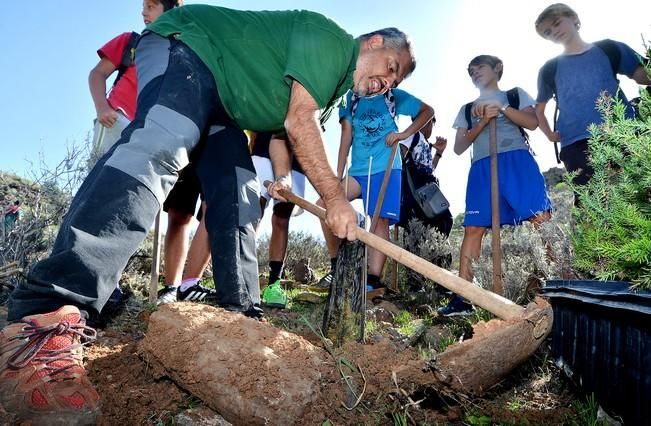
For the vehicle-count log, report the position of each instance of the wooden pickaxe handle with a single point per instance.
(495, 304)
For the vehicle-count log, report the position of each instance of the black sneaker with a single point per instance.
(456, 307)
(196, 293)
(167, 295)
(324, 283)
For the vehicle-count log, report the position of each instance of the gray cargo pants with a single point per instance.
(178, 105)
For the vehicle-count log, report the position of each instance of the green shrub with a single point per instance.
(612, 239)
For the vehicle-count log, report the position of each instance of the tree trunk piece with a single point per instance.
(249, 372)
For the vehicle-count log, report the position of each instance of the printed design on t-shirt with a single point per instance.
(372, 125)
(506, 142)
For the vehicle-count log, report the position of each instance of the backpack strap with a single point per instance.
(127, 55)
(389, 101)
(513, 97)
(414, 141)
(548, 74)
(467, 108)
(612, 52)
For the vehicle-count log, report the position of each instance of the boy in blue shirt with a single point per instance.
(580, 75)
(368, 124)
(523, 195)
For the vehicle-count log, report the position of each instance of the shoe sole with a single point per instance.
(457, 314)
(274, 305)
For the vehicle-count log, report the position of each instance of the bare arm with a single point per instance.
(543, 123)
(304, 134)
(522, 117)
(640, 76)
(97, 84)
(425, 114)
(344, 146)
(281, 158)
(465, 137)
(439, 147)
(427, 128)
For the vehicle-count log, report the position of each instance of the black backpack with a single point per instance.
(548, 75)
(409, 208)
(128, 55)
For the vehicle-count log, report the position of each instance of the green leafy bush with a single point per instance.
(612, 239)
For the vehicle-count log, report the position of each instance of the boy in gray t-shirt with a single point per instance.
(523, 195)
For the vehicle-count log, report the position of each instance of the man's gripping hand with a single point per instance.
(341, 218)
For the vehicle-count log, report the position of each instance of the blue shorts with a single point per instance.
(391, 205)
(522, 190)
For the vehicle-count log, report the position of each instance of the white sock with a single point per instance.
(188, 282)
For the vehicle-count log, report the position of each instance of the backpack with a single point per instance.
(513, 97)
(548, 75)
(419, 155)
(127, 55)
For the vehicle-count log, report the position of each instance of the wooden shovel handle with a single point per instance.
(496, 240)
(497, 305)
(383, 188)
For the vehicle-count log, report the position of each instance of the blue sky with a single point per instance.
(49, 49)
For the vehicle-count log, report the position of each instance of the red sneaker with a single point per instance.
(42, 377)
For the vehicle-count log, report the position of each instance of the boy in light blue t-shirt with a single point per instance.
(369, 126)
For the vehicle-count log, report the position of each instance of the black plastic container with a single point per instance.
(602, 340)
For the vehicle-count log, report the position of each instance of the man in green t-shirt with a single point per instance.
(204, 73)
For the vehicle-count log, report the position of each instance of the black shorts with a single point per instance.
(575, 158)
(185, 193)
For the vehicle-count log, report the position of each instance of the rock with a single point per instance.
(383, 315)
(454, 414)
(554, 176)
(434, 335)
(200, 417)
(389, 307)
(302, 272)
(425, 310)
(307, 297)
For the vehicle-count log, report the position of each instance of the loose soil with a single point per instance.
(134, 394)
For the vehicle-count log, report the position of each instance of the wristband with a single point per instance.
(438, 154)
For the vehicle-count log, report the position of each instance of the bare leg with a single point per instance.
(470, 250)
(176, 245)
(280, 231)
(376, 258)
(539, 218)
(199, 253)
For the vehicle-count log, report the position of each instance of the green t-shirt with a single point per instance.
(254, 56)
